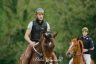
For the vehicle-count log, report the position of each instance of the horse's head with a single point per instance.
(75, 47)
(48, 40)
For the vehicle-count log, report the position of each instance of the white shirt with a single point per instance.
(31, 24)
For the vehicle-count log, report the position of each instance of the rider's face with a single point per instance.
(84, 33)
(40, 16)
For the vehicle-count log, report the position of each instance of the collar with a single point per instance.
(39, 22)
(85, 36)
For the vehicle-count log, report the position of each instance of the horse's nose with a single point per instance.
(50, 43)
(68, 54)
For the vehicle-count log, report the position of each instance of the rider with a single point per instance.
(88, 46)
(32, 35)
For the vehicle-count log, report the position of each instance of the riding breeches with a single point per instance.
(70, 62)
(87, 58)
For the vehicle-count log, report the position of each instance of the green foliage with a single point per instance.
(67, 17)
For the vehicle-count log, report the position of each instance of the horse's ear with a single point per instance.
(55, 34)
(45, 35)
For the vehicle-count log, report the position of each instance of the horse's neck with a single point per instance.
(78, 58)
(79, 49)
(39, 47)
(80, 46)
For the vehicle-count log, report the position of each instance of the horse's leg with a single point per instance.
(54, 58)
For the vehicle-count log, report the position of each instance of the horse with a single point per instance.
(76, 51)
(42, 52)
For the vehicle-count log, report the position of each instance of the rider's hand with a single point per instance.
(32, 44)
(85, 50)
(37, 43)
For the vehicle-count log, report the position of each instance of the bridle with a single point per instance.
(35, 50)
(48, 36)
(78, 45)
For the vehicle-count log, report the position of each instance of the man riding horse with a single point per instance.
(88, 46)
(32, 35)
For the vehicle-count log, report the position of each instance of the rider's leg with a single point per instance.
(87, 58)
(24, 59)
(70, 62)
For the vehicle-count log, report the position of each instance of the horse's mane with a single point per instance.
(41, 37)
(78, 42)
(81, 45)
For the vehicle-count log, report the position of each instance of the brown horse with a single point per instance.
(76, 51)
(42, 52)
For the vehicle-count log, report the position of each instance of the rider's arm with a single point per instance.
(91, 44)
(28, 32)
(27, 38)
(48, 27)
